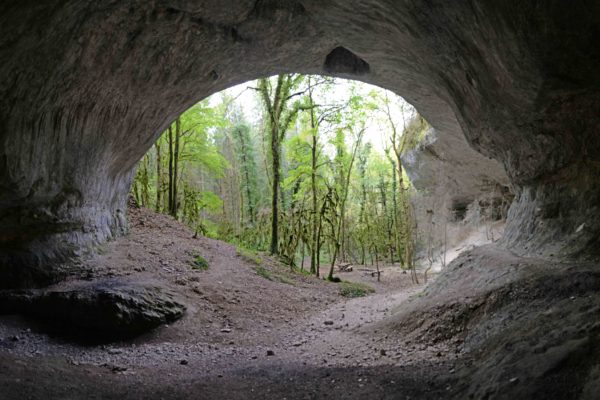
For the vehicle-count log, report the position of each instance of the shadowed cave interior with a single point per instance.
(511, 90)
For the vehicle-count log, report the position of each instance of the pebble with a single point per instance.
(183, 362)
(328, 322)
(270, 353)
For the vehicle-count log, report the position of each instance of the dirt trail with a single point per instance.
(252, 330)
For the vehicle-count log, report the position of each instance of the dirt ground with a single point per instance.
(492, 325)
(245, 335)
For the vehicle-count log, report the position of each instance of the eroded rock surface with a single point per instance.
(524, 327)
(461, 199)
(86, 87)
(109, 308)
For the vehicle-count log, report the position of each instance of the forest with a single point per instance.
(306, 168)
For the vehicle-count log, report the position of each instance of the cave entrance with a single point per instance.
(346, 154)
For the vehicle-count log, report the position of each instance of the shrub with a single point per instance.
(261, 271)
(249, 255)
(199, 263)
(353, 289)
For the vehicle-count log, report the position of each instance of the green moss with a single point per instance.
(261, 271)
(274, 277)
(250, 256)
(353, 289)
(284, 279)
(199, 263)
(414, 133)
(304, 272)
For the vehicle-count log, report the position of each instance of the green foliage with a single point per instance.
(355, 289)
(414, 133)
(199, 263)
(248, 255)
(337, 197)
(265, 273)
(273, 277)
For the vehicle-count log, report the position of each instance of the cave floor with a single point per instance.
(492, 325)
(279, 335)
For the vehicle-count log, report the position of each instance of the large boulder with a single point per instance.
(110, 308)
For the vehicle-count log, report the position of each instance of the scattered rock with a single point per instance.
(183, 362)
(328, 322)
(270, 353)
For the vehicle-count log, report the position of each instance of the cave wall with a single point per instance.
(461, 197)
(87, 86)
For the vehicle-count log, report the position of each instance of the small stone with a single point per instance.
(514, 380)
(183, 362)
(270, 353)
(115, 351)
(297, 344)
(382, 352)
(328, 322)
(226, 330)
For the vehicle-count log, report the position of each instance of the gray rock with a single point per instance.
(114, 308)
(507, 87)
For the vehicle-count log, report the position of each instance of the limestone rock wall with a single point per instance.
(461, 197)
(86, 87)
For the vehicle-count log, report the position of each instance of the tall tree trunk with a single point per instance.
(275, 194)
(170, 188)
(145, 181)
(159, 183)
(313, 186)
(174, 204)
(136, 192)
(249, 200)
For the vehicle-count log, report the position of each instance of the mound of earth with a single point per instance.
(524, 327)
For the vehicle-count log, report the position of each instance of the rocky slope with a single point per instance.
(461, 198)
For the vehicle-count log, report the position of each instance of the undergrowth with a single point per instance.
(265, 273)
(249, 255)
(199, 263)
(354, 289)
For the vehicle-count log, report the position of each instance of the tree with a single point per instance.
(276, 96)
